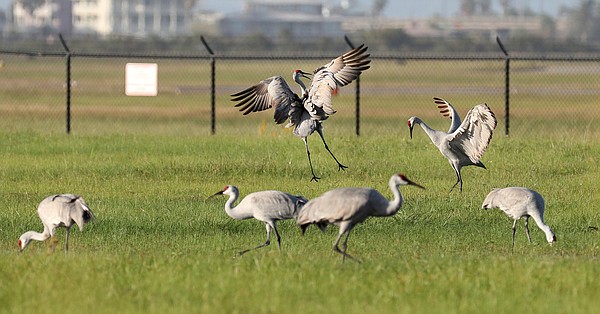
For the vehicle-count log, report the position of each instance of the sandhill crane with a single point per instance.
(347, 207)
(518, 202)
(465, 142)
(266, 206)
(60, 210)
(307, 112)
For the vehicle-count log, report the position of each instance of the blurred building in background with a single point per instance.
(271, 18)
(105, 17)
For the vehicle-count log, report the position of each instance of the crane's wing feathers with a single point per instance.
(334, 206)
(271, 92)
(340, 72)
(65, 198)
(475, 133)
(447, 110)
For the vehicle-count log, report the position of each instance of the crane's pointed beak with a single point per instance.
(305, 74)
(218, 193)
(410, 127)
(416, 184)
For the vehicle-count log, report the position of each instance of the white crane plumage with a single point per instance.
(466, 141)
(307, 112)
(60, 210)
(266, 206)
(517, 203)
(347, 207)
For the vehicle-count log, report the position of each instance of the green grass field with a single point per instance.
(157, 245)
(146, 166)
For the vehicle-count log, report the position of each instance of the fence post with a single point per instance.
(68, 81)
(506, 86)
(357, 92)
(212, 85)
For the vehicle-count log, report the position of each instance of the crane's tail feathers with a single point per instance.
(87, 216)
(322, 226)
(304, 227)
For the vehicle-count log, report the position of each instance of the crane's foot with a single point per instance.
(345, 255)
(315, 178)
(341, 167)
(254, 248)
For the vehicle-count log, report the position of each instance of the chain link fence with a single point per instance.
(538, 95)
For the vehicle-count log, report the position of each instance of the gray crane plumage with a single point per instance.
(466, 141)
(266, 206)
(347, 207)
(60, 210)
(314, 105)
(517, 203)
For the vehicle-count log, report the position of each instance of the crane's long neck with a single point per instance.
(544, 227)
(435, 135)
(236, 212)
(302, 86)
(38, 236)
(397, 201)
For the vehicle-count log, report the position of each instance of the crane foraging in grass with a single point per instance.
(347, 207)
(306, 112)
(466, 141)
(60, 210)
(517, 203)
(266, 206)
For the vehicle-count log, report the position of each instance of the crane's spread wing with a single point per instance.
(447, 110)
(272, 92)
(341, 71)
(474, 134)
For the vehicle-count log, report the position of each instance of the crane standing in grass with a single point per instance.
(266, 206)
(517, 203)
(61, 210)
(466, 141)
(347, 207)
(307, 112)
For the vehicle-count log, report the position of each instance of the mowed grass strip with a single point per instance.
(159, 245)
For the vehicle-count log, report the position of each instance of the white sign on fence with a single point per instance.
(141, 79)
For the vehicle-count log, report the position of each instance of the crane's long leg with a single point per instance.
(67, 242)
(527, 229)
(458, 179)
(314, 177)
(340, 166)
(514, 228)
(337, 249)
(344, 229)
(274, 226)
(262, 245)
